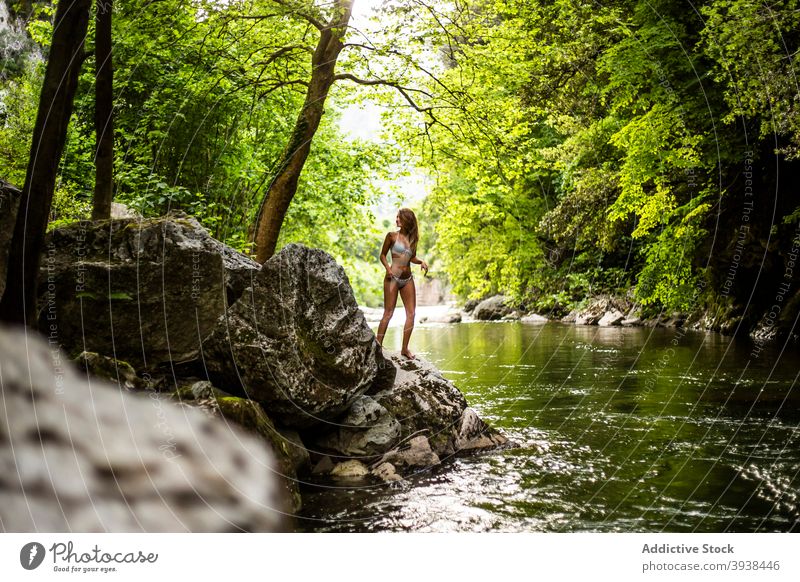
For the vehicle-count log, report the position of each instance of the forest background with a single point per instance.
(553, 151)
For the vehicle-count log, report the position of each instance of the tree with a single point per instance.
(284, 185)
(103, 120)
(324, 60)
(52, 119)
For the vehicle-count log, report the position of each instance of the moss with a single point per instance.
(182, 393)
(249, 414)
(116, 371)
(120, 296)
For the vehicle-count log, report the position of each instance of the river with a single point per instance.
(619, 430)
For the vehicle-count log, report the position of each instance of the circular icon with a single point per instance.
(31, 555)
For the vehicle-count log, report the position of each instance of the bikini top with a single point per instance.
(401, 249)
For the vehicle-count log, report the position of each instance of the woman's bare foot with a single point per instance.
(408, 354)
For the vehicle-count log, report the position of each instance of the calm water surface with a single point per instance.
(619, 430)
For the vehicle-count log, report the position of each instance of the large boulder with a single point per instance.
(493, 308)
(249, 414)
(420, 403)
(296, 341)
(611, 318)
(89, 457)
(9, 204)
(147, 291)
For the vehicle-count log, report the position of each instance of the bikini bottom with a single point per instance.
(402, 282)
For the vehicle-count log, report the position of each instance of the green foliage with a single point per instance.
(69, 205)
(754, 48)
(578, 146)
(205, 99)
(19, 96)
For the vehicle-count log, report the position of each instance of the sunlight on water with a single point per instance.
(619, 430)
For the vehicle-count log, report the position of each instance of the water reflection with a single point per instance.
(620, 430)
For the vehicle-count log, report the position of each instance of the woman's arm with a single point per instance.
(386, 244)
(417, 261)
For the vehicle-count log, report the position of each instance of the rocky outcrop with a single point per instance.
(9, 204)
(493, 308)
(421, 405)
(280, 350)
(471, 304)
(150, 290)
(296, 341)
(779, 323)
(92, 458)
(603, 310)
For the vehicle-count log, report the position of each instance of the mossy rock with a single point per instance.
(252, 417)
(117, 372)
(199, 390)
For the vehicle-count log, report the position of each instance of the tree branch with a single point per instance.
(404, 91)
(312, 20)
(282, 51)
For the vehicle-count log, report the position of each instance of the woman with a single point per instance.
(403, 245)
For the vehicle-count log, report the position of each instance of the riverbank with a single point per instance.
(774, 325)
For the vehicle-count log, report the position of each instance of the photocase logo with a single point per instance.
(31, 555)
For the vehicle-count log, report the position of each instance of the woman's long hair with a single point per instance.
(409, 227)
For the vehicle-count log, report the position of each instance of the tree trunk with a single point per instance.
(49, 135)
(283, 187)
(103, 120)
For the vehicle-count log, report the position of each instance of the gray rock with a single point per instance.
(351, 469)
(323, 466)
(93, 458)
(452, 317)
(152, 289)
(420, 402)
(296, 341)
(189, 390)
(611, 318)
(587, 318)
(416, 453)
(251, 416)
(596, 308)
(475, 434)
(240, 272)
(493, 308)
(119, 210)
(533, 318)
(204, 389)
(471, 304)
(632, 318)
(9, 204)
(366, 429)
(386, 472)
(295, 449)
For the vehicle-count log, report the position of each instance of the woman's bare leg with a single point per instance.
(389, 303)
(409, 295)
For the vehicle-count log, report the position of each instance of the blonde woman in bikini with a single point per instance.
(403, 245)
